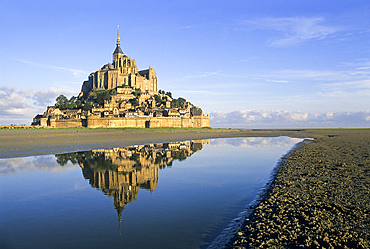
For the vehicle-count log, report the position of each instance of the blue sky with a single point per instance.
(250, 64)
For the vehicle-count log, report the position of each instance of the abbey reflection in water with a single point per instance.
(121, 172)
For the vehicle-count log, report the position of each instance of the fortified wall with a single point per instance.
(131, 122)
(148, 122)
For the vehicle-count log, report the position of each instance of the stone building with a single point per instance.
(122, 72)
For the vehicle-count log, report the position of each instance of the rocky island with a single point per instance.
(120, 96)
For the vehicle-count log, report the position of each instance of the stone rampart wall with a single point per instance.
(43, 122)
(65, 123)
(132, 122)
(201, 121)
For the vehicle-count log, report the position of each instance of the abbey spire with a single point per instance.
(117, 54)
(118, 49)
(118, 42)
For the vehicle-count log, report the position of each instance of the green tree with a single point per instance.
(169, 94)
(175, 103)
(136, 92)
(79, 103)
(181, 101)
(72, 102)
(158, 99)
(134, 102)
(113, 91)
(178, 102)
(62, 102)
(87, 106)
(195, 108)
(135, 157)
(62, 159)
(101, 96)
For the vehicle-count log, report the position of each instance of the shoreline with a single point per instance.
(228, 235)
(318, 197)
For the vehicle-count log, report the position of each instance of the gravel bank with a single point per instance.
(320, 197)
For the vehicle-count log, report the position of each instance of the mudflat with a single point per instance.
(26, 142)
(319, 198)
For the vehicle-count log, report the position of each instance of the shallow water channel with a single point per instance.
(167, 195)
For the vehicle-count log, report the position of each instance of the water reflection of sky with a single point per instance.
(257, 141)
(37, 163)
(198, 191)
(48, 163)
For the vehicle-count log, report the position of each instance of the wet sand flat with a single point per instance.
(26, 142)
(319, 198)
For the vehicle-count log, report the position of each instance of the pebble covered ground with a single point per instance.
(320, 197)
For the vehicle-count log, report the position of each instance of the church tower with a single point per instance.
(123, 72)
(117, 54)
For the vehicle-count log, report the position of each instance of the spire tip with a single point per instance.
(118, 40)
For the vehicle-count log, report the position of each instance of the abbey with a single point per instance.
(123, 72)
(120, 96)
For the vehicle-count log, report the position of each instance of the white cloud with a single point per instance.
(256, 141)
(194, 26)
(280, 119)
(191, 91)
(20, 106)
(348, 83)
(293, 30)
(39, 163)
(278, 81)
(198, 75)
(312, 74)
(75, 72)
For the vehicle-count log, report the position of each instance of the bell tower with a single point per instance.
(117, 54)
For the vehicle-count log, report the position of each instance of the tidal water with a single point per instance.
(167, 195)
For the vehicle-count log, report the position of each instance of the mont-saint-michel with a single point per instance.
(121, 96)
(267, 73)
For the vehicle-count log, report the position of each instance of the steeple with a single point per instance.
(118, 42)
(119, 212)
(118, 49)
